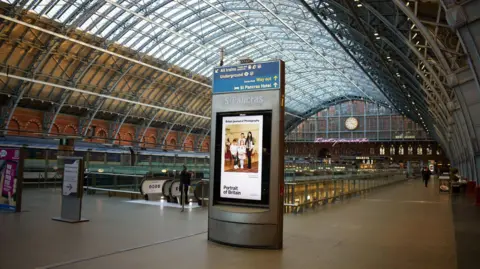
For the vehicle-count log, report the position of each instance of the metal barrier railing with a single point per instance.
(299, 196)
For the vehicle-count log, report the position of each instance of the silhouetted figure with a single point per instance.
(426, 175)
(184, 184)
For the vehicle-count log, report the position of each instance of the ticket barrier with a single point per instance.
(169, 189)
(175, 191)
(201, 192)
(153, 189)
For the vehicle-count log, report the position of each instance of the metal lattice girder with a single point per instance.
(384, 36)
(319, 59)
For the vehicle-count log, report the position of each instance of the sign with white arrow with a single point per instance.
(70, 178)
(247, 77)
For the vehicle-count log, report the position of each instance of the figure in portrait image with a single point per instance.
(242, 153)
(228, 154)
(242, 138)
(249, 143)
(242, 149)
(234, 153)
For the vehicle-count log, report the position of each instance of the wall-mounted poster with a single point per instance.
(241, 170)
(9, 164)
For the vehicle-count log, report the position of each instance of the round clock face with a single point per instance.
(351, 123)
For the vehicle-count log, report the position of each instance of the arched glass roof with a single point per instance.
(189, 34)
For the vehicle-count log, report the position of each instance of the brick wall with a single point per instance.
(28, 122)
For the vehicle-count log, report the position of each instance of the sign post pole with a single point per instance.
(72, 190)
(247, 155)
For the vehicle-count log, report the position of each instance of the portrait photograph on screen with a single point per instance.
(242, 153)
(241, 173)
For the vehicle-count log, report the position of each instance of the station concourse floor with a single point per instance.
(404, 226)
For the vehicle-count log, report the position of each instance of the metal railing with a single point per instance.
(301, 195)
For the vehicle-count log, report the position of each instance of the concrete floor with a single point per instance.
(405, 226)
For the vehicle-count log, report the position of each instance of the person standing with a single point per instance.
(242, 152)
(184, 184)
(242, 137)
(249, 144)
(228, 154)
(234, 153)
(426, 175)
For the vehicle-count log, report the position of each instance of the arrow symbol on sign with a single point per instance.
(69, 187)
(275, 77)
(275, 84)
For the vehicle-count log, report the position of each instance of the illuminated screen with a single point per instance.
(243, 157)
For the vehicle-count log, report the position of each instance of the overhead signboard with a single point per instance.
(247, 77)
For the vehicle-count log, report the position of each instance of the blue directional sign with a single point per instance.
(246, 77)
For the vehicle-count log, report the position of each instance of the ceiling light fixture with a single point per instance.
(415, 35)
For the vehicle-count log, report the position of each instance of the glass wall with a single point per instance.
(370, 120)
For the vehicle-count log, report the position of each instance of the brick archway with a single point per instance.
(14, 127)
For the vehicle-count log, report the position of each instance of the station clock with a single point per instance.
(351, 123)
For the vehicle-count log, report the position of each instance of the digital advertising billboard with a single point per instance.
(243, 146)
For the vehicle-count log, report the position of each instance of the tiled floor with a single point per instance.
(405, 226)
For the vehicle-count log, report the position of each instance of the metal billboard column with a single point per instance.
(246, 207)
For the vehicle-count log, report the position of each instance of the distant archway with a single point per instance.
(118, 139)
(102, 136)
(70, 130)
(55, 129)
(33, 128)
(172, 143)
(206, 147)
(13, 127)
(129, 139)
(188, 145)
(150, 141)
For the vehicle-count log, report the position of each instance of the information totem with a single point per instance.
(72, 189)
(247, 155)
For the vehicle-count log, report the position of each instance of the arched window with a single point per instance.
(188, 145)
(429, 150)
(13, 127)
(150, 141)
(69, 130)
(382, 150)
(102, 136)
(118, 139)
(55, 130)
(401, 151)
(410, 150)
(392, 150)
(172, 144)
(33, 128)
(419, 150)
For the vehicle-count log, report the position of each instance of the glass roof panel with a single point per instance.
(190, 33)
